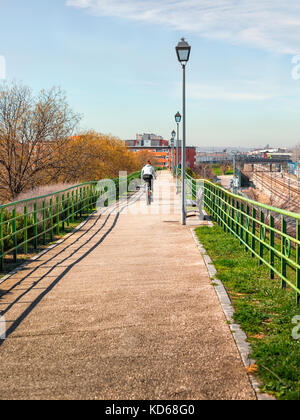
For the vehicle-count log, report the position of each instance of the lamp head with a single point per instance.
(183, 51)
(178, 117)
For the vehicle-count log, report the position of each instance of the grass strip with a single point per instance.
(264, 311)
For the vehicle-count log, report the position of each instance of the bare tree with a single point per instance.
(32, 131)
(204, 171)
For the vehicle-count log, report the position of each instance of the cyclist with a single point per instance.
(148, 174)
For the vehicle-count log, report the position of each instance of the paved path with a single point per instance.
(122, 309)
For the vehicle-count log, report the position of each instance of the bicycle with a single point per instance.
(149, 197)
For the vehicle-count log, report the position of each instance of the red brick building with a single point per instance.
(190, 156)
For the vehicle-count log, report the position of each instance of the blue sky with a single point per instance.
(116, 61)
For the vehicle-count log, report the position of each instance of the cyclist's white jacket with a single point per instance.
(148, 170)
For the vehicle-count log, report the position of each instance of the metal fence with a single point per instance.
(26, 224)
(272, 235)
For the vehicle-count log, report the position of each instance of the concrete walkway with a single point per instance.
(122, 309)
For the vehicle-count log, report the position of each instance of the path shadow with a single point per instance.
(114, 212)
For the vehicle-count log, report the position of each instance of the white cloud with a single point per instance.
(198, 92)
(268, 24)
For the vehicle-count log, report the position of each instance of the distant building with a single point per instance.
(147, 140)
(161, 150)
(152, 143)
(214, 157)
(294, 168)
(272, 153)
(190, 153)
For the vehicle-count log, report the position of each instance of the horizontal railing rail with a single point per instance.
(270, 234)
(27, 223)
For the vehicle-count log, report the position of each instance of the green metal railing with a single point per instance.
(192, 186)
(270, 234)
(26, 224)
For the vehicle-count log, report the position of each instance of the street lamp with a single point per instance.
(183, 51)
(177, 120)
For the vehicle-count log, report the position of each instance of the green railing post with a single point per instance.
(44, 223)
(73, 207)
(253, 231)
(93, 197)
(89, 199)
(25, 235)
(224, 212)
(272, 244)
(35, 227)
(242, 224)
(261, 237)
(77, 204)
(247, 228)
(14, 234)
(220, 208)
(83, 202)
(213, 203)
(237, 218)
(57, 218)
(63, 212)
(283, 261)
(51, 219)
(68, 209)
(80, 202)
(232, 215)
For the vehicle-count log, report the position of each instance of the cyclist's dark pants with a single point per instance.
(149, 180)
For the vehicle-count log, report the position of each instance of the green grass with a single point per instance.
(263, 310)
(217, 170)
(229, 172)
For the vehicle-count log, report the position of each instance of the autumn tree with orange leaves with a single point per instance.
(93, 156)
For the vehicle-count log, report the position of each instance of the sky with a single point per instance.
(116, 61)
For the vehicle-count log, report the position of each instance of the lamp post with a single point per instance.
(177, 120)
(183, 51)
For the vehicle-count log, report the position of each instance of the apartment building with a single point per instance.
(152, 143)
(161, 149)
